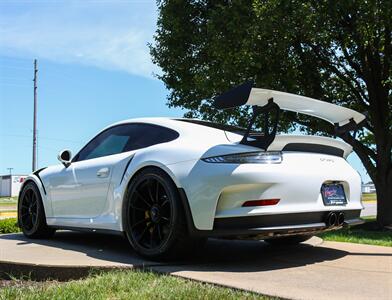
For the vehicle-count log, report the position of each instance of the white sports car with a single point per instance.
(168, 184)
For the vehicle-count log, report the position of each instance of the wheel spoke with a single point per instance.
(152, 236)
(165, 202)
(139, 223)
(26, 198)
(139, 195)
(157, 191)
(143, 233)
(33, 219)
(150, 193)
(164, 218)
(137, 208)
(159, 232)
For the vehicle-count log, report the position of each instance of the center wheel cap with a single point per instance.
(155, 215)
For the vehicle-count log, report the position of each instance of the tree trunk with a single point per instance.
(384, 200)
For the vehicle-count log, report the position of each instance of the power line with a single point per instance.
(42, 138)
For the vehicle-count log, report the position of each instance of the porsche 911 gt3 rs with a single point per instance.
(168, 184)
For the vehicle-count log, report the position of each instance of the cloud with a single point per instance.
(111, 35)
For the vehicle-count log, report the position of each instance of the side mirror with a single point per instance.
(65, 157)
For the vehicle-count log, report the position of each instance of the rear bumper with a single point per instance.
(277, 231)
(267, 226)
(280, 225)
(220, 190)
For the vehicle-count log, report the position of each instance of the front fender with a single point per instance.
(43, 192)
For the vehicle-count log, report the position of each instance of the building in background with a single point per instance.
(368, 188)
(10, 185)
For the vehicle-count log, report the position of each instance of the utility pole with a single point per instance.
(10, 170)
(34, 167)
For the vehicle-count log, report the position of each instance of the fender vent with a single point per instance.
(314, 148)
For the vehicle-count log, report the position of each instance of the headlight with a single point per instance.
(247, 158)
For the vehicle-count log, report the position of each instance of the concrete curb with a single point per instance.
(10, 270)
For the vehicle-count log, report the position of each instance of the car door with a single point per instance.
(80, 191)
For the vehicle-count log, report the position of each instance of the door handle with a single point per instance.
(102, 173)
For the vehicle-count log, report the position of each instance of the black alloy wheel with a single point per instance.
(151, 213)
(31, 213)
(29, 210)
(154, 218)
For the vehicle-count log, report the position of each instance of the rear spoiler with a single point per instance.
(268, 102)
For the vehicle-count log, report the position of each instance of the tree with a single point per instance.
(336, 51)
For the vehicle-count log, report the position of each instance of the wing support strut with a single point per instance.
(266, 137)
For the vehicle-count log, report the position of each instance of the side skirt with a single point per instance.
(89, 230)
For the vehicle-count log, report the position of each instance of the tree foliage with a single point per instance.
(336, 51)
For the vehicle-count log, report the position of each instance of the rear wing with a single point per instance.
(269, 101)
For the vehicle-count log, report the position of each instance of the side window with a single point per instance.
(111, 141)
(125, 138)
(146, 135)
(113, 144)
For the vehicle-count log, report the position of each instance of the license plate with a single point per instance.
(333, 194)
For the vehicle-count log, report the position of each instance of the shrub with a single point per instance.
(9, 226)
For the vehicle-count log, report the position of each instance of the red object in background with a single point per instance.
(265, 202)
(22, 179)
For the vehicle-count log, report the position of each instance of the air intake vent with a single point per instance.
(314, 148)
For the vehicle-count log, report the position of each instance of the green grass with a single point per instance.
(8, 203)
(126, 285)
(5, 205)
(8, 226)
(367, 233)
(8, 200)
(369, 197)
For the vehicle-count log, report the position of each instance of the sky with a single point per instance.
(94, 69)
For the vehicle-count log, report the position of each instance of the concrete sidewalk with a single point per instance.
(370, 209)
(315, 270)
(329, 271)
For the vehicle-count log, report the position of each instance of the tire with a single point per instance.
(154, 219)
(288, 240)
(31, 213)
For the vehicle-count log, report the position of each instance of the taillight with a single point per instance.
(264, 202)
(259, 157)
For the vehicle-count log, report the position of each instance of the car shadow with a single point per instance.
(217, 255)
(111, 248)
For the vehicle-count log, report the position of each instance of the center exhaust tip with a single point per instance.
(331, 220)
(340, 220)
